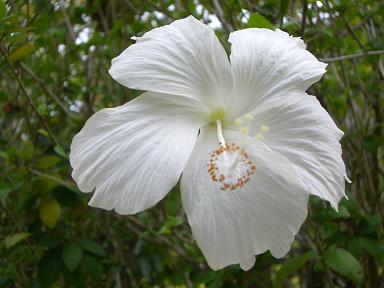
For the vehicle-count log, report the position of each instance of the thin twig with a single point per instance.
(304, 17)
(352, 56)
(67, 21)
(53, 178)
(46, 89)
(220, 14)
(18, 226)
(164, 240)
(350, 30)
(29, 99)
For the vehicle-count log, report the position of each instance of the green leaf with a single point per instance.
(358, 244)
(47, 161)
(50, 267)
(12, 240)
(22, 52)
(259, 21)
(329, 214)
(26, 151)
(344, 263)
(93, 266)
(4, 192)
(351, 205)
(93, 247)
(165, 230)
(60, 151)
(42, 109)
(169, 223)
(49, 212)
(3, 154)
(372, 143)
(3, 10)
(6, 280)
(43, 132)
(71, 255)
(67, 196)
(291, 266)
(370, 224)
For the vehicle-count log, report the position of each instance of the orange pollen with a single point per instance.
(230, 167)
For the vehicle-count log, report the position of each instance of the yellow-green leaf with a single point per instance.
(3, 10)
(49, 211)
(43, 132)
(22, 52)
(259, 21)
(15, 238)
(47, 162)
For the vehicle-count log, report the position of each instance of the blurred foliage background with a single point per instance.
(53, 65)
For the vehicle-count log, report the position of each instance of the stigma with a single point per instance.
(230, 167)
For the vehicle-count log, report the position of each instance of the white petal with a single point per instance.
(134, 154)
(304, 133)
(232, 226)
(265, 61)
(183, 58)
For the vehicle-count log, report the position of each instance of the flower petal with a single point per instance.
(265, 61)
(183, 58)
(134, 154)
(232, 226)
(303, 132)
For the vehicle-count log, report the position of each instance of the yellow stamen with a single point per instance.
(264, 128)
(248, 117)
(259, 136)
(244, 130)
(239, 122)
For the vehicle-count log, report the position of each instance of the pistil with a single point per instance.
(220, 135)
(229, 165)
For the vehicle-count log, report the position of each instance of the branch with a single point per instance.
(304, 17)
(29, 99)
(67, 21)
(351, 56)
(221, 16)
(46, 89)
(53, 178)
(158, 238)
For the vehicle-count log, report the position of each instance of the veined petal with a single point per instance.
(303, 132)
(134, 154)
(183, 58)
(265, 62)
(232, 226)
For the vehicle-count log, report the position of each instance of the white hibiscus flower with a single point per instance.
(249, 143)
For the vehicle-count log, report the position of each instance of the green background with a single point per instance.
(53, 75)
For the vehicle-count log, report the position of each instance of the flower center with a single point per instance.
(230, 167)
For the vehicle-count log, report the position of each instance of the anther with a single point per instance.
(259, 136)
(248, 117)
(244, 130)
(230, 167)
(239, 121)
(264, 128)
